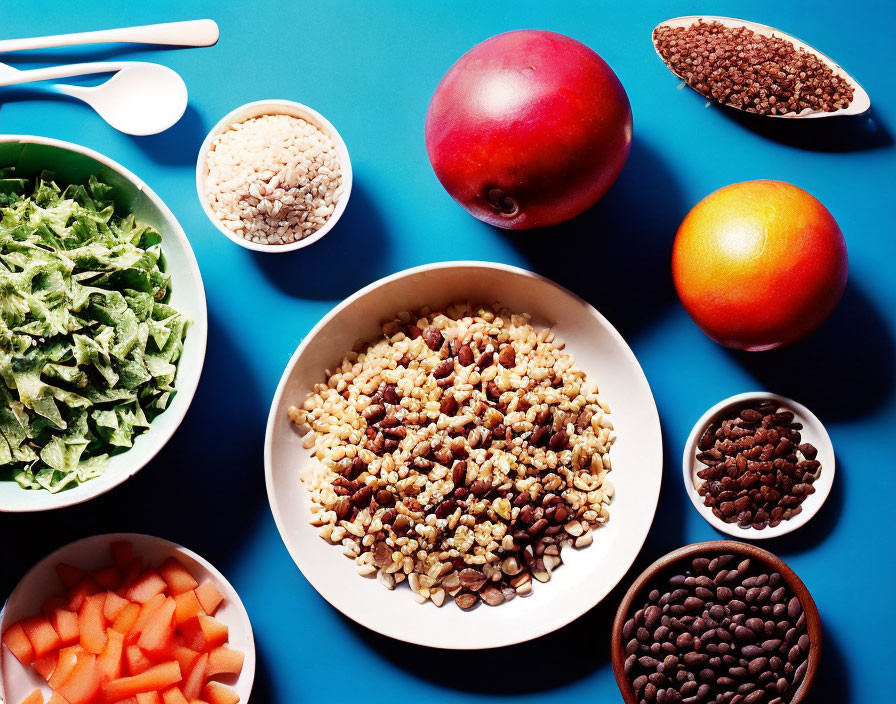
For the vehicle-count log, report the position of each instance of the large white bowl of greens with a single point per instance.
(102, 324)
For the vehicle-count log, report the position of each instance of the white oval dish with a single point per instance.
(860, 104)
(275, 107)
(17, 680)
(813, 432)
(588, 574)
(74, 164)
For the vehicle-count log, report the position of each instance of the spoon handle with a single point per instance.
(52, 72)
(189, 33)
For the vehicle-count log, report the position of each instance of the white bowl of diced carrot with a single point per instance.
(125, 618)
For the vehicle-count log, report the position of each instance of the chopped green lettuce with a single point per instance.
(88, 343)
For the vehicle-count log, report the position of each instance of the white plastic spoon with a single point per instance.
(140, 99)
(189, 33)
(860, 104)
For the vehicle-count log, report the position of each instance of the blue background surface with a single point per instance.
(371, 69)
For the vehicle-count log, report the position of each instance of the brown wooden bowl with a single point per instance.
(717, 547)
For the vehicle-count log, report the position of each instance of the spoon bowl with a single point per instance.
(860, 104)
(140, 99)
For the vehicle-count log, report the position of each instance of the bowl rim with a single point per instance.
(426, 639)
(784, 527)
(275, 106)
(200, 331)
(174, 549)
(813, 619)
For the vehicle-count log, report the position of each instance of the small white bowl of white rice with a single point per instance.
(274, 176)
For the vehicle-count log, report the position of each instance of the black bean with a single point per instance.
(692, 603)
(751, 651)
(757, 665)
(742, 633)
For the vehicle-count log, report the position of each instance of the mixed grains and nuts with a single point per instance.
(273, 179)
(726, 629)
(746, 70)
(758, 471)
(459, 452)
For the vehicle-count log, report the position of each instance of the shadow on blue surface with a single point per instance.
(179, 145)
(87, 52)
(262, 687)
(822, 371)
(614, 255)
(832, 134)
(344, 260)
(188, 488)
(833, 683)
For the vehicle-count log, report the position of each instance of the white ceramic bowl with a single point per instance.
(17, 680)
(275, 107)
(588, 574)
(74, 164)
(813, 432)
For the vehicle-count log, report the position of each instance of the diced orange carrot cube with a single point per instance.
(36, 697)
(192, 685)
(65, 623)
(157, 635)
(147, 585)
(149, 698)
(85, 588)
(51, 603)
(68, 658)
(177, 577)
(92, 624)
(109, 661)
(107, 577)
(137, 660)
(129, 574)
(174, 696)
(188, 607)
(122, 553)
(146, 612)
(56, 698)
(127, 618)
(205, 633)
(217, 693)
(224, 661)
(42, 635)
(159, 629)
(82, 685)
(69, 576)
(113, 605)
(46, 665)
(185, 656)
(155, 678)
(17, 641)
(209, 597)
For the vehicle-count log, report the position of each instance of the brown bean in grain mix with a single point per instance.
(459, 452)
(746, 70)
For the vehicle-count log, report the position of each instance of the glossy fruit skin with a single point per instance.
(759, 264)
(528, 129)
